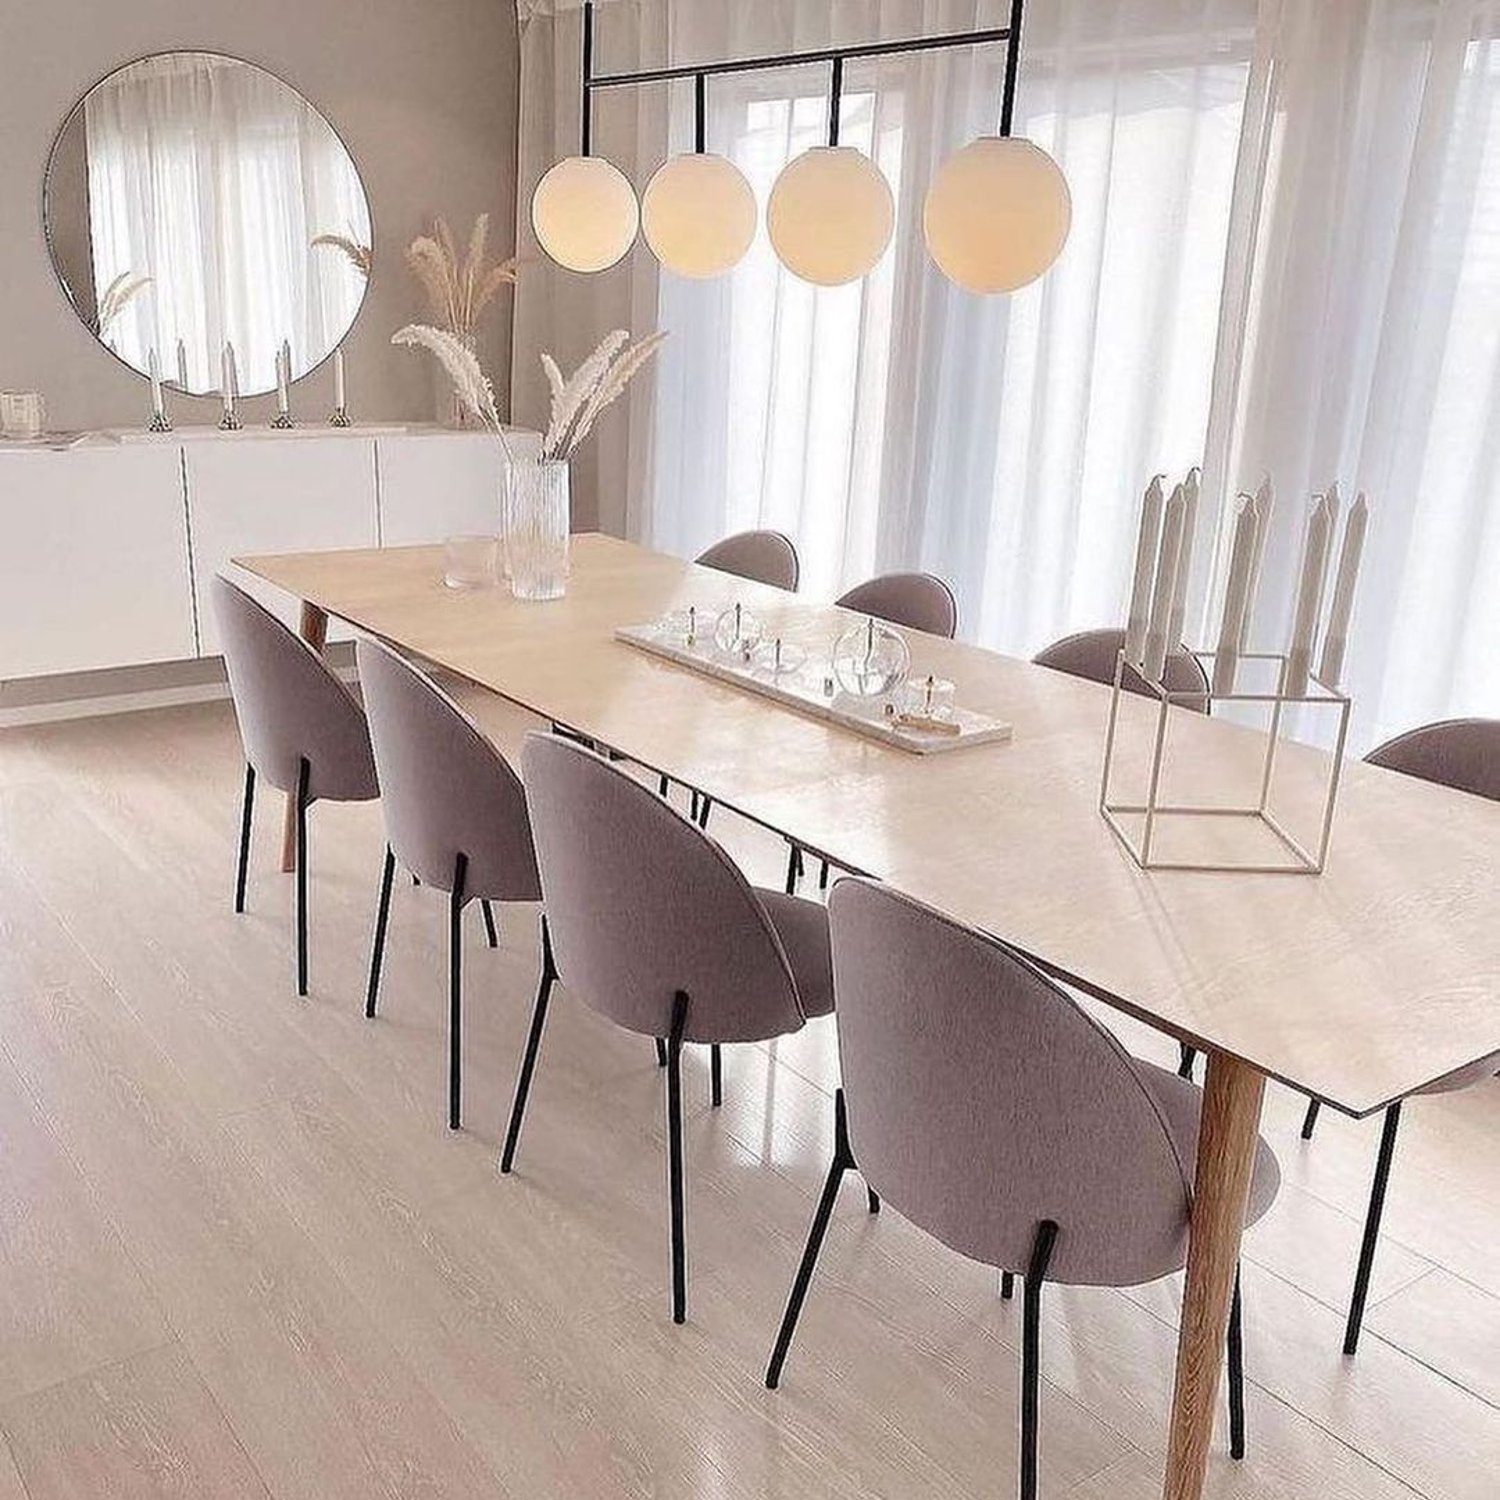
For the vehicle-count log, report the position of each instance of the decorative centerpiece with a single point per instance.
(534, 525)
(1290, 681)
(737, 633)
(871, 660)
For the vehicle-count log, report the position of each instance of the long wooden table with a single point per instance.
(1359, 986)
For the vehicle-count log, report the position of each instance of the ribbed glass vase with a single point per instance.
(536, 528)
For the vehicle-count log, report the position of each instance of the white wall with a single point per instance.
(423, 92)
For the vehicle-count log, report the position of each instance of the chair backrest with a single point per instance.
(919, 601)
(445, 789)
(1092, 654)
(982, 1100)
(642, 904)
(1461, 753)
(761, 556)
(290, 704)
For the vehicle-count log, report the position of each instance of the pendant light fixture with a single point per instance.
(995, 218)
(698, 212)
(831, 211)
(998, 212)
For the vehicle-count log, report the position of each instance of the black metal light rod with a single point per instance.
(700, 113)
(586, 130)
(1012, 63)
(792, 59)
(835, 98)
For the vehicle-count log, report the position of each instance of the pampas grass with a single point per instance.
(458, 290)
(117, 295)
(594, 385)
(361, 257)
(464, 370)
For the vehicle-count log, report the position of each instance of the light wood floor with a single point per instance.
(241, 1255)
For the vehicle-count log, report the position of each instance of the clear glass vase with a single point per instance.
(536, 528)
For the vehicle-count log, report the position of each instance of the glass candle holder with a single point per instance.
(737, 632)
(469, 561)
(870, 660)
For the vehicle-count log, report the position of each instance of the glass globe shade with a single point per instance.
(584, 213)
(997, 214)
(830, 216)
(698, 215)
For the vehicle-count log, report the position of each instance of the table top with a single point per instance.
(1358, 986)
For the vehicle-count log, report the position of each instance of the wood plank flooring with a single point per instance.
(241, 1255)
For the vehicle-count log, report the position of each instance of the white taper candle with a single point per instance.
(1146, 546)
(281, 377)
(338, 380)
(1154, 661)
(1336, 638)
(1236, 596)
(1309, 598)
(1184, 560)
(226, 377)
(182, 370)
(1264, 499)
(153, 367)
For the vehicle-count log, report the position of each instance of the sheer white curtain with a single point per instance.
(1285, 257)
(213, 178)
(1363, 330)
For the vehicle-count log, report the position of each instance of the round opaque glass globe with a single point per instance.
(997, 214)
(831, 215)
(584, 213)
(698, 215)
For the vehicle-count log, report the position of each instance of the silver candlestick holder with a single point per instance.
(230, 421)
(159, 422)
(1139, 824)
(340, 418)
(282, 421)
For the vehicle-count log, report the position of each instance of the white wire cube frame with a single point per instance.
(1299, 857)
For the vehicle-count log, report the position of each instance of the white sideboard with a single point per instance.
(106, 549)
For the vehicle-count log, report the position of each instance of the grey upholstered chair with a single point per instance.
(994, 1113)
(919, 601)
(762, 556)
(654, 926)
(455, 816)
(302, 729)
(1093, 653)
(1463, 754)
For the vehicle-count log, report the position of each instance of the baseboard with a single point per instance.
(123, 690)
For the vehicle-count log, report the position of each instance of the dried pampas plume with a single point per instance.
(361, 257)
(458, 291)
(120, 292)
(598, 381)
(464, 370)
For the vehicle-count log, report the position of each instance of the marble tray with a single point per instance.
(804, 691)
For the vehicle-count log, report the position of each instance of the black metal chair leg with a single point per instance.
(661, 1053)
(533, 1042)
(872, 1199)
(1188, 1056)
(693, 807)
(843, 1161)
(823, 876)
(662, 786)
(705, 806)
(1031, 1351)
(716, 1074)
(456, 991)
(792, 871)
(1310, 1119)
(1007, 1285)
(304, 772)
(489, 924)
(245, 820)
(1372, 1227)
(674, 1158)
(1236, 1374)
(382, 916)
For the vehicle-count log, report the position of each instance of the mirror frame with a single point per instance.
(57, 272)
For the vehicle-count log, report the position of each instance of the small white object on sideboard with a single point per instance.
(106, 548)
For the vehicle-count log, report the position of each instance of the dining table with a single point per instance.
(1357, 986)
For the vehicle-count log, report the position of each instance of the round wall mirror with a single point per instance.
(192, 202)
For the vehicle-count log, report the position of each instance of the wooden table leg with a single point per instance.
(1226, 1157)
(314, 626)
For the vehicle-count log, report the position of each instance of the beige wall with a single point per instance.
(422, 91)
